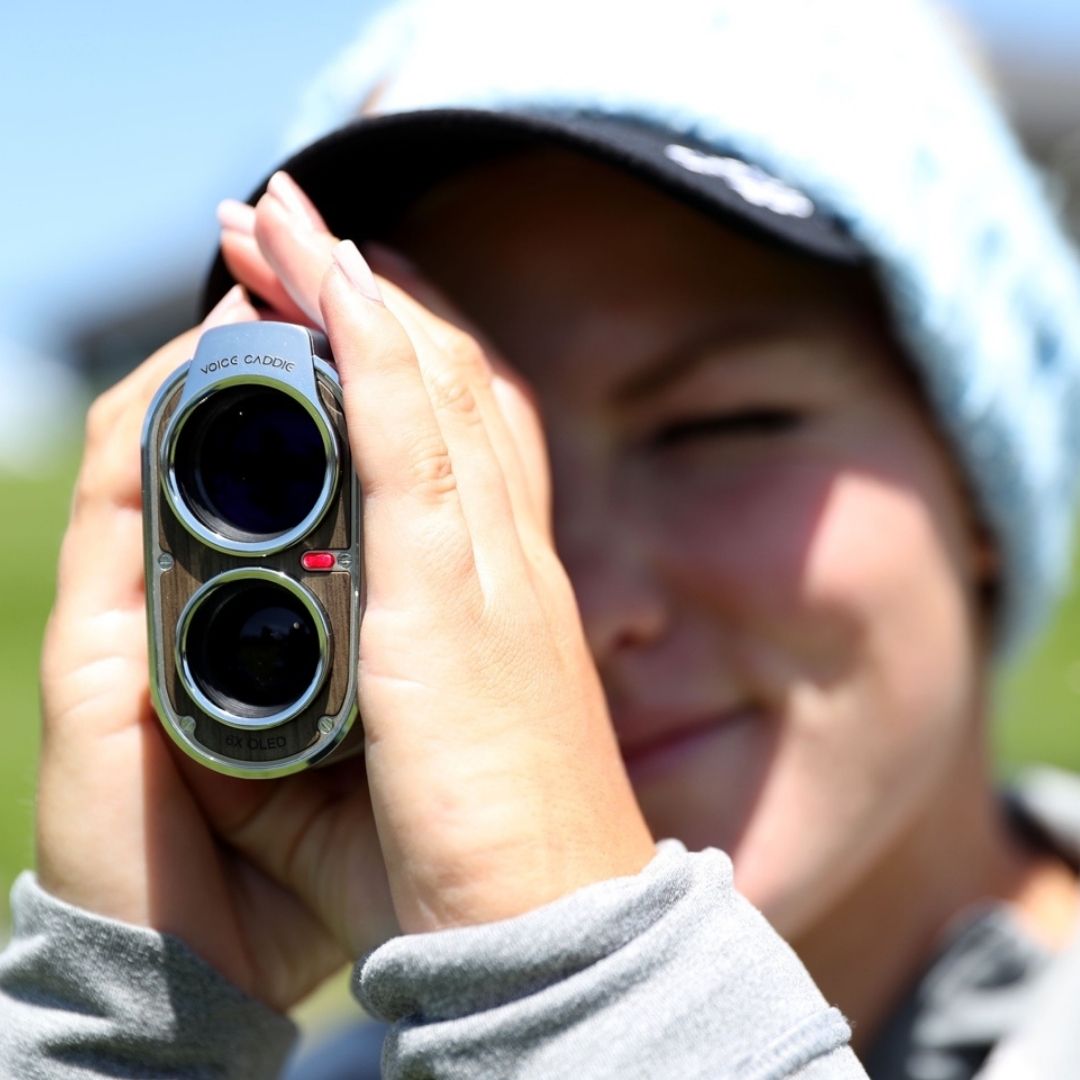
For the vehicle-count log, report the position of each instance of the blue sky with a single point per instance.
(124, 123)
(1046, 26)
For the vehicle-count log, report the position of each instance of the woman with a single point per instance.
(797, 503)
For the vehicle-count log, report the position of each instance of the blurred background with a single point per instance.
(122, 125)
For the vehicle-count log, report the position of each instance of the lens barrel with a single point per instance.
(249, 467)
(252, 647)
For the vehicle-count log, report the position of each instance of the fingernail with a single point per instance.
(289, 193)
(235, 215)
(225, 307)
(351, 263)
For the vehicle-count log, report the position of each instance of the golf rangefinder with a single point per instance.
(253, 559)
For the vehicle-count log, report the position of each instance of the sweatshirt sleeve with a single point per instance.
(667, 973)
(82, 996)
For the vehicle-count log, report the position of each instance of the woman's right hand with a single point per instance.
(127, 827)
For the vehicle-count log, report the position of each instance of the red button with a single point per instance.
(317, 560)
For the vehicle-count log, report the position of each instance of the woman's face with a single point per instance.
(773, 558)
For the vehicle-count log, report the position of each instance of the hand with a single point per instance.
(495, 776)
(264, 881)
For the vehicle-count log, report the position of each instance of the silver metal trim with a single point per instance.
(279, 355)
(191, 684)
(222, 541)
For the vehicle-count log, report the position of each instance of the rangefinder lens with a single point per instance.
(253, 648)
(250, 462)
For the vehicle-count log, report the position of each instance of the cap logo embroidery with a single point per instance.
(749, 182)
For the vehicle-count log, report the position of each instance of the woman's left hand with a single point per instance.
(494, 773)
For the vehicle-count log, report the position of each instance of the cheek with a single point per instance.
(843, 595)
(768, 547)
(851, 574)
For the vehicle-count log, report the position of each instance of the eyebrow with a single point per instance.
(686, 357)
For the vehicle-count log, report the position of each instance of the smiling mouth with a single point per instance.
(673, 744)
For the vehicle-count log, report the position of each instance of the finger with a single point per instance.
(521, 414)
(101, 555)
(294, 241)
(248, 265)
(285, 829)
(417, 546)
(456, 375)
(506, 401)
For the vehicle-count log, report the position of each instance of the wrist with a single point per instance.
(504, 878)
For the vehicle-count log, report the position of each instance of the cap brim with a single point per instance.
(364, 176)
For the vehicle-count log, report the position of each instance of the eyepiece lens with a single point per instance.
(253, 648)
(250, 462)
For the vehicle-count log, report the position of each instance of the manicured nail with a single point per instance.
(351, 263)
(235, 215)
(220, 313)
(289, 193)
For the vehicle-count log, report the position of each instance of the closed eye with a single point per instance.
(743, 422)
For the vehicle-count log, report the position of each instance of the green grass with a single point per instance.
(33, 512)
(1040, 703)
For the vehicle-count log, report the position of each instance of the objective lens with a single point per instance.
(253, 648)
(250, 462)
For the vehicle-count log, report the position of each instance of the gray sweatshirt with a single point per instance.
(669, 973)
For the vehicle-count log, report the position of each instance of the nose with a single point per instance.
(623, 604)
